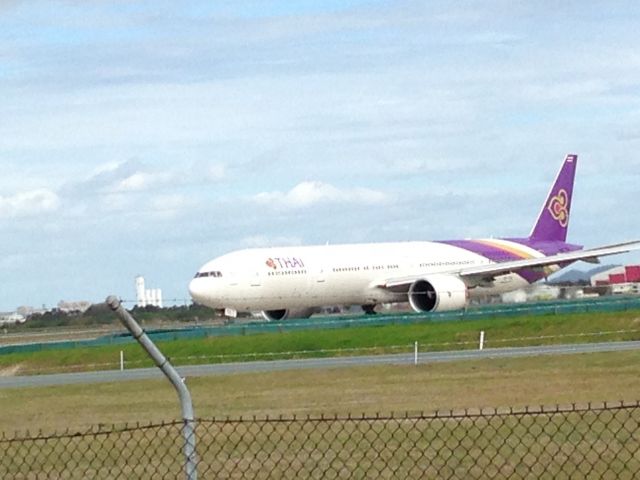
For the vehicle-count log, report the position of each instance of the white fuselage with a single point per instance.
(315, 276)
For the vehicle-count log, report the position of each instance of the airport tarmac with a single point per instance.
(324, 363)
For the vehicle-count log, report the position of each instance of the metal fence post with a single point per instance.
(188, 430)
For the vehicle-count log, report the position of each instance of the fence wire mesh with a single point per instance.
(591, 441)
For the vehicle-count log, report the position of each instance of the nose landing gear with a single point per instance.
(369, 309)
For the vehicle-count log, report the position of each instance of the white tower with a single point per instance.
(141, 296)
(144, 296)
(158, 297)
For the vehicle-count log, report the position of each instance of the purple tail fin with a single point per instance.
(553, 220)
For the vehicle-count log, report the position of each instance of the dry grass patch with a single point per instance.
(467, 384)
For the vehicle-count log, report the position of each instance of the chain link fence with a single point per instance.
(591, 441)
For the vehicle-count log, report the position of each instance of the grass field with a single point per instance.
(535, 330)
(468, 384)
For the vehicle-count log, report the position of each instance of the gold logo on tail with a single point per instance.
(558, 207)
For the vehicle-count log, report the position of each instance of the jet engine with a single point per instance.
(285, 313)
(438, 293)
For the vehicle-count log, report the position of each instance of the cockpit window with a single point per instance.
(208, 274)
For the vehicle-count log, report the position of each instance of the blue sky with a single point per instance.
(148, 137)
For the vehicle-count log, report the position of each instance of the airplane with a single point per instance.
(295, 282)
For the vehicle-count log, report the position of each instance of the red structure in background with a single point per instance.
(632, 272)
(617, 275)
(617, 278)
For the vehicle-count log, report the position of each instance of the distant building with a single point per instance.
(516, 296)
(533, 293)
(73, 307)
(11, 318)
(27, 311)
(147, 297)
(625, 288)
(617, 276)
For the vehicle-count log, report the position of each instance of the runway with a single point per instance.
(323, 363)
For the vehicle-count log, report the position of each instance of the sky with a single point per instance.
(145, 138)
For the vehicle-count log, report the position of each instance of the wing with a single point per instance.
(484, 274)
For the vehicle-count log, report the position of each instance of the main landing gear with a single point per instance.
(369, 309)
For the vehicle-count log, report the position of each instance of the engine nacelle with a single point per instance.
(438, 293)
(285, 313)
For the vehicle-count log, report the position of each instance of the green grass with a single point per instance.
(536, 330)
(518, 382)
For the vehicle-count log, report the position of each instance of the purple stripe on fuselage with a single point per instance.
(546, 247)
(498, 255)
(495, 254)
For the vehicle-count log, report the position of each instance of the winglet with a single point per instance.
(553, 221)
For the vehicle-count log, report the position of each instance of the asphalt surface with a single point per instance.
(333, 362)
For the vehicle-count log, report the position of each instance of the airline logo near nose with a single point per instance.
(558, 207)
(284, 263)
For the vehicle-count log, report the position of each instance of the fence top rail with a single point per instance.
(94, 430)
(104, 430)
(438, 414)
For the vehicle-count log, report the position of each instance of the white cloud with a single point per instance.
(137, 181)
(143, 181)
(108, 178)
(133, 176)
(29, 203)
(106, 168)
(309, 193)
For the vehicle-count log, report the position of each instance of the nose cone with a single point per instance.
(197, 290)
